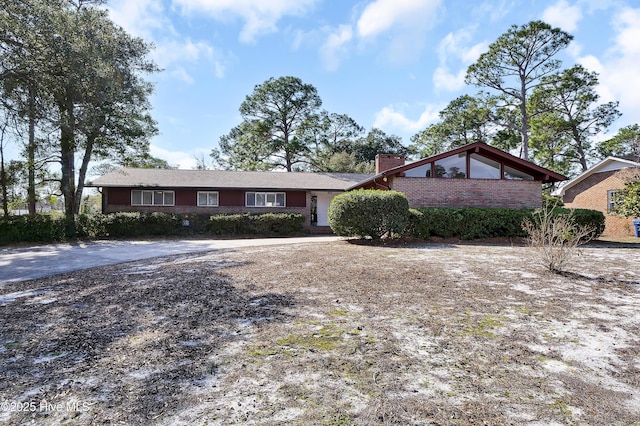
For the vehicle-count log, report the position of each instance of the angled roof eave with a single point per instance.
(594, 169)
(546, 174)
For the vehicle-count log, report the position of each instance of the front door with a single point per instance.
(323, 199)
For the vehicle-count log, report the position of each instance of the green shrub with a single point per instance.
(267, 224)
(467, 223)
(369, 213)
(592, 219)
(38, 228)
(472, 223)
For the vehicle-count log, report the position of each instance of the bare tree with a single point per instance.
(555, 237)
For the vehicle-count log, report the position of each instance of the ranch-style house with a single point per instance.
(475, 175)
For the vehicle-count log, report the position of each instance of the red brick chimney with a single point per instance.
(388, 161)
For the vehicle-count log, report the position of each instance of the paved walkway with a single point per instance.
(19, 264)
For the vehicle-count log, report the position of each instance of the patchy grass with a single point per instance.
(328, 334)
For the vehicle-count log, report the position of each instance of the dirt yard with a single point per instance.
(328, 334)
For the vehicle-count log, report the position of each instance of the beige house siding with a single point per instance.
(434, 192)
(591, 193)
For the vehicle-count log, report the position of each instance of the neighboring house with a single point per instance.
(594, 188)
(475, 175)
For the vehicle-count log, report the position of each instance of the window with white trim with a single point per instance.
(152, 198)
(611, 200)
(266, 199)
(207, 199)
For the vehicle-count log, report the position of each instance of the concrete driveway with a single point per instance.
(19, 264)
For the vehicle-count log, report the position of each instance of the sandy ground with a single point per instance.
(330, 333)
(37, 261)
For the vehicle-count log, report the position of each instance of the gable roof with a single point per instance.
(606, 165)
(225, 179)
(539, 173)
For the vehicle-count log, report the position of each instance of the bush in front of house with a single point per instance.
(369, 213)
(38, 228)
(473, 223)
(123, 225)
(267, 224)
(126, 225)
(467, 223)
(592, 219)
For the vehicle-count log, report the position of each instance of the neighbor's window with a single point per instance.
(152, 198)
(510, 173)
(611, 200)
(483, 168)
(207, 199)
(454, 166)
(266, 199)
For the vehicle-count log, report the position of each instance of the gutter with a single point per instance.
(373, 178)
(381, 184)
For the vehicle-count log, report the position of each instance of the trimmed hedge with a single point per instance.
(257, 224)
(467, 223)
(592, 218)
(362, 213)
(39, 228)
(369, 213)
(472, 223)
(46, 228)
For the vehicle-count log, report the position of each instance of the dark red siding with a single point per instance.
(296, 199)
(186, 197)
(189, 197)
(231, 198)
(118, 195)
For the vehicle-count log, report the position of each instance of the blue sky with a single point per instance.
(391, 64)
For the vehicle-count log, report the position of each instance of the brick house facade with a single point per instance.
(475, 175)
(222, 192)
(510, 194)
(593, 189)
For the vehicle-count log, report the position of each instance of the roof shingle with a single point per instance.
(224, 179)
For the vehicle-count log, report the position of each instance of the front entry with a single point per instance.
(320, 207)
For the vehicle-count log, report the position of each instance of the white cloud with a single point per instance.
(618, 69)
(182, 74)
(403, 22)
(259, 16)
(493, 9)
(454, 48)
(180, 159)
(391, 120)
(335, 46)
(443, 79)
(628, 38)
(140, 18)
(146, 19)
(563, 15)
(176, 55)
(383, 15)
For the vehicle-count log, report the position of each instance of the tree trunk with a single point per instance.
(31, 157)
(3, 181)
(524, 128)
(67, 160)
(581, 155)
(83, 171)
